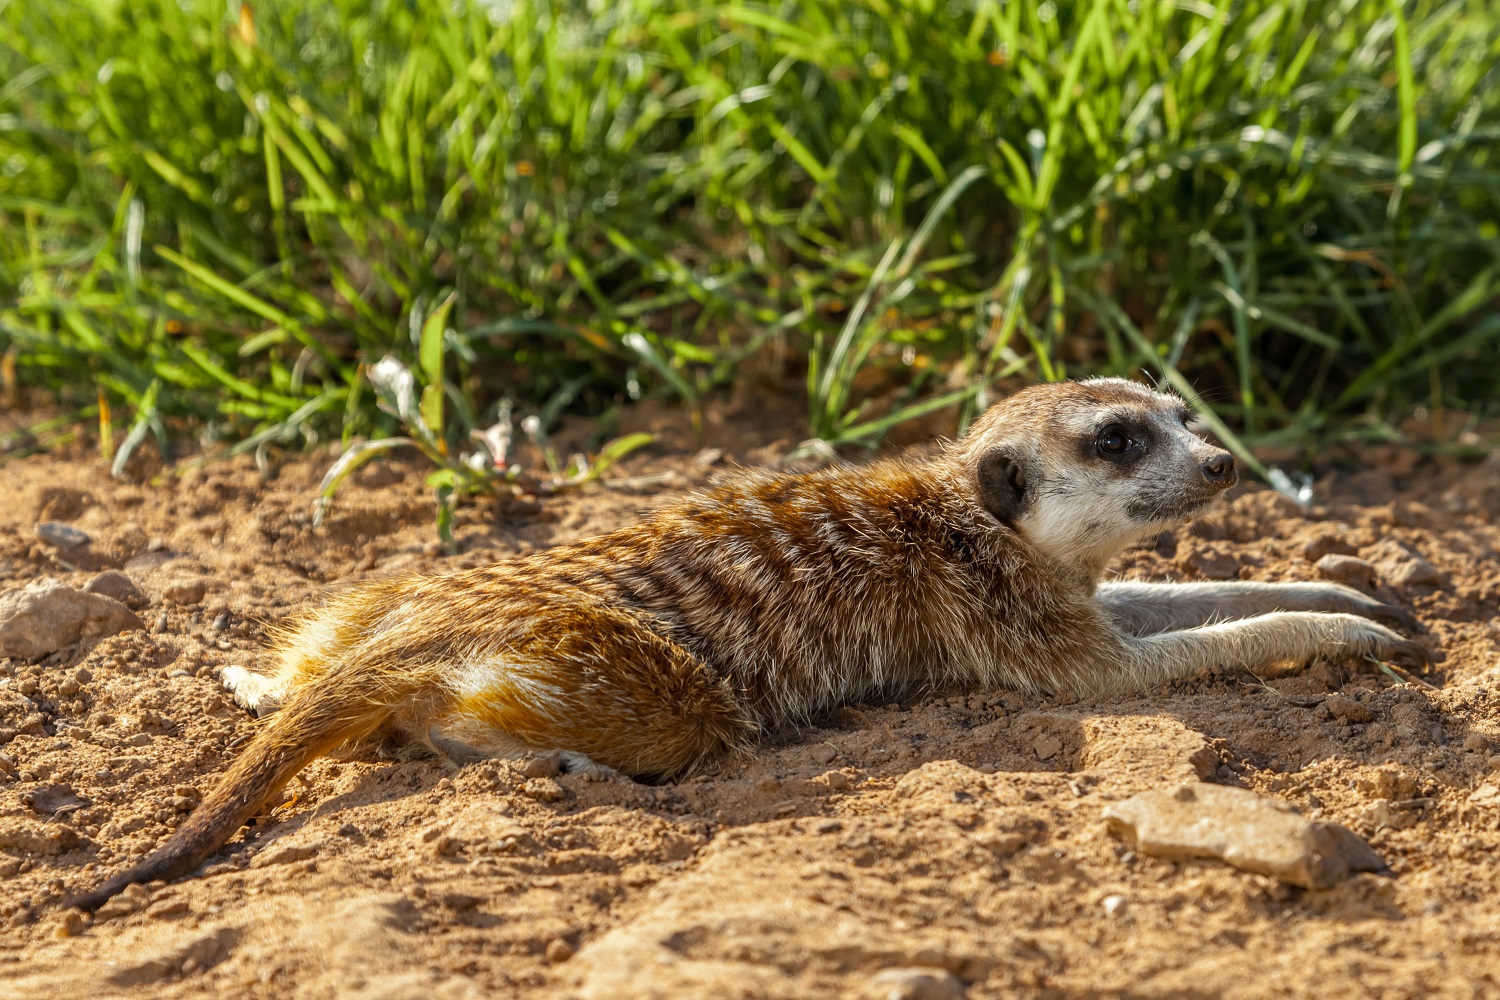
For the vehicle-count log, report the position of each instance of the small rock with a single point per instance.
(459, 901)
(447, 846)
(1402, 567)
(285, 855)
(1346, 569)
(916, 984)
(53, 800)
(60, 536)
(1476, 743)
(1114, 906)
(118, 586)
(221, 622)
(140, 740)
(45, 616)
(823, 754)
(544, 790)
(1348, 710)
(1212, 564)
(709, 456)
(169, 908)
(1249, 831)
(828, 826)
(1047, 746)
(1385, 813)
(185, 590)
(72, 925)
(547, 765)
(7, 765)
(559, 951)
(1326, 543)
(837, 780)
(1494, 762)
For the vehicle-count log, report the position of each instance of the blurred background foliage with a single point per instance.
(216, 216)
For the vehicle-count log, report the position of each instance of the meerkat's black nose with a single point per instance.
(1218, 470)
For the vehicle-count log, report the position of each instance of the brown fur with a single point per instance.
(768, 600)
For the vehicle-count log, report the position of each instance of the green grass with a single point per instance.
(214, 223)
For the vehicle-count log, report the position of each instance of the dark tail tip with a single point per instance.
(181, 853)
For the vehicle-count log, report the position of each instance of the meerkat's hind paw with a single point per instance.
(255, 693)
(577, 763)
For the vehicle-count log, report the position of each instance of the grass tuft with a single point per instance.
(218, 219)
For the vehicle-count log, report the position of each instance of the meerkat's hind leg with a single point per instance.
(253, 692)
(450, 742)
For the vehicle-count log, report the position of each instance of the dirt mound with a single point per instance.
(961, 835)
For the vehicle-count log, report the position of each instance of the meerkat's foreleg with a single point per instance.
(1262, 641)
(1151, 608)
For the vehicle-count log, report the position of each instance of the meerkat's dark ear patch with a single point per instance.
(1002, 483)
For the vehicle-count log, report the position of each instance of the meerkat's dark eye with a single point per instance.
(1114, 441)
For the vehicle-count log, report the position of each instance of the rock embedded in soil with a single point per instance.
(185, 590)
(1324, 544)
(116, 585)
(1252, 832)
(60, 536)
(46, 616)
(1346, 569)
(1212, 564)
(915, 984)
(1401, 567)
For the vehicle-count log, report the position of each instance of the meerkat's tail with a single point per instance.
(316, 720)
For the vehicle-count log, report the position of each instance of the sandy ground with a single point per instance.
(960, 832)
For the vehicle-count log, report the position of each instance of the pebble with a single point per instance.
(1252, 832)
(1212, 564)
(185, 590)
(1346, 569)
(1402, 567)
(1320, 546)
(1114, 906)
(221, 622)
(1476, 743)
(1494, 762)
(559, 950)
(60, 536)
(1347, 710)
(548, 765)
(823, 754)
(837, 780)
(117, 585)
(46, 616)
(916, 984)
(459, 901)
(1047, 746)
(73, 923)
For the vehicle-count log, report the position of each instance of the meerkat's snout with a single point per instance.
(1219, 470)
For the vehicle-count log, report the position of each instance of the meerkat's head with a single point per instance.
(1083, 469)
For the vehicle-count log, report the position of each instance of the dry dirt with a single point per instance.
(961, 831)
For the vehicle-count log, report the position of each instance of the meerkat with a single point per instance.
(775, 597)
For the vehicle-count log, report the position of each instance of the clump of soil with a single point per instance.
(954, 844)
